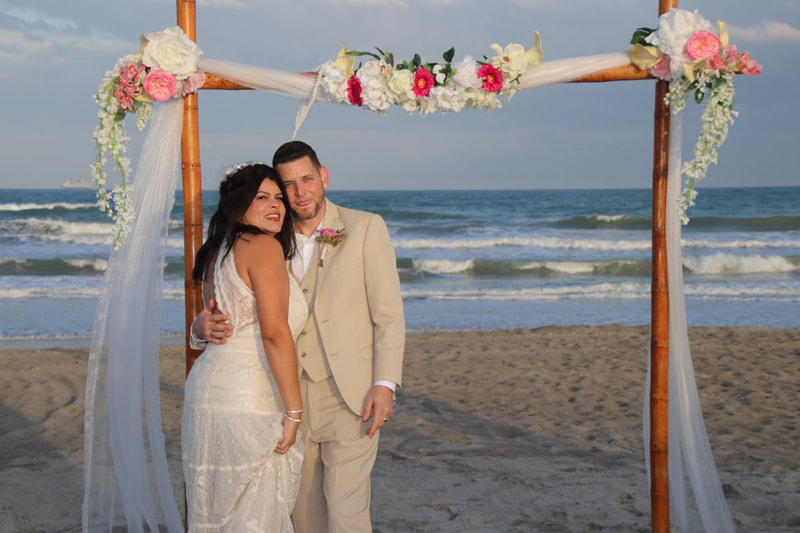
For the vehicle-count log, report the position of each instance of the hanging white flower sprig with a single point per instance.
(685, 51)
(164, 67)
(427, 87)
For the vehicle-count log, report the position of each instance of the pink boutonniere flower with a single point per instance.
(329, 236)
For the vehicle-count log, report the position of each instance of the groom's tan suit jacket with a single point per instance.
(356, 328)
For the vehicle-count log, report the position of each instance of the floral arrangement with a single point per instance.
(164, 67)
(685, 51)
(427, 87)
(329, 236)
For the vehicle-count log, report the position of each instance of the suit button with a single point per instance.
(305, 291)
(303, 354)
(303, 332)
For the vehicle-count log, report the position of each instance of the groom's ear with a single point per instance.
(323, 172)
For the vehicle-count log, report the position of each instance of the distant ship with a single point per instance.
(76, 184)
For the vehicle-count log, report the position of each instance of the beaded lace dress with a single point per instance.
(232, 415)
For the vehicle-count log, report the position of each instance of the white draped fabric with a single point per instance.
(126, 477)
(127, 480)
(691, 464)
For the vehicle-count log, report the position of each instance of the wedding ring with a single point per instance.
(385, 419)
(212, 333)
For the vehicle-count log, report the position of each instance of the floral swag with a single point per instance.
(683, 50)
(164, 67)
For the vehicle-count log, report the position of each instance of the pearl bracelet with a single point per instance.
(298, 420)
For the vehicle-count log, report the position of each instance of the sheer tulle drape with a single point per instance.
(126, 477)
(125, 459)
(692, 471)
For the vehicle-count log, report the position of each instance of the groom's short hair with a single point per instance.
(292, 151)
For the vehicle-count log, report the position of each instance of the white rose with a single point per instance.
(171, 50)
(401, 86)
(675, 27)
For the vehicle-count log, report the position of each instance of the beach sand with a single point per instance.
(506, 430)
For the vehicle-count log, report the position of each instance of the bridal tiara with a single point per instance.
(238, 166)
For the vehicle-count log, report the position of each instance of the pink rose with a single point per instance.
(703, 44)
(423, 82)
(492, 78)
(661, 69)
(193, 82)
(354, 91)
(159, 85)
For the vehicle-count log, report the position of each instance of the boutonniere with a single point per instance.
(329, 236)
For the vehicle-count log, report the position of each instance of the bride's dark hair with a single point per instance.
(236, 192)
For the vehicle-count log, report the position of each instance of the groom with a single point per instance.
(351, 349)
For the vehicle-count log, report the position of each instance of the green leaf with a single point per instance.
(640, 34)
(448, 56)
(416, 61)
(699, 95)
(357, 53)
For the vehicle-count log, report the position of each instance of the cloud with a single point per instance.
(34, 16)
(15, 46)
(767, 31)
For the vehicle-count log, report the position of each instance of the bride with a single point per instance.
(242, 406)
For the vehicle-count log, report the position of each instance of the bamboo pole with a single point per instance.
(659, 313)
(192, 189)
(623, 73)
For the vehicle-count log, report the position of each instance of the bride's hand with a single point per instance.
(289, 435)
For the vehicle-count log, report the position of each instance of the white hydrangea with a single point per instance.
(334, 83)
(373, 76)
(466, 74)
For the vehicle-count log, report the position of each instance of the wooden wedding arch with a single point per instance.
(659, 306)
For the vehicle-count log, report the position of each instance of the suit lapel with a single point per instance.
(326, 251)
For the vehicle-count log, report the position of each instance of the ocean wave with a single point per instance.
(704, 223)
(623, 222)
(485, 267)
(46, 207)
(68, 290)
(774, 223)
(741, 244)
(522, 242)
(624, 289)
(721, 263)
(60, 231)
(785, 292)
(52, 267)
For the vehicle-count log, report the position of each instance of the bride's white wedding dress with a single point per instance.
(232, 414)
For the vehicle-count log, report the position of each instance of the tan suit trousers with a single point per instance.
(335, 487)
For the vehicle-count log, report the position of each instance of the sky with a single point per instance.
(54, 53)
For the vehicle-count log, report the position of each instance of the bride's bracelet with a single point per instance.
(295, 411)
(298, 420)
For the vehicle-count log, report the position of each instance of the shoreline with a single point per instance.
(494, 430)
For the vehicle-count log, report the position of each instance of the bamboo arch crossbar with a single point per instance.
(659, 327)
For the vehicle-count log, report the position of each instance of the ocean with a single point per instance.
(467, 259)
